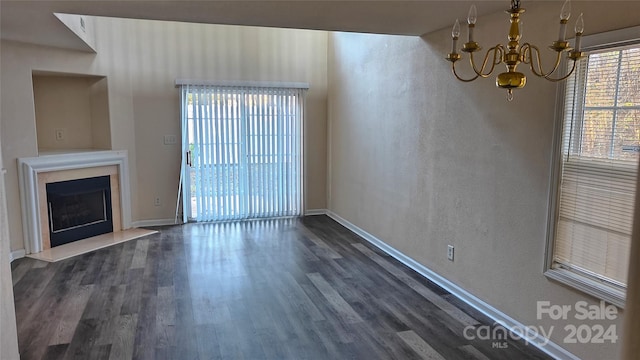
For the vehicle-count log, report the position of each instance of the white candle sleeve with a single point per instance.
(563, 32)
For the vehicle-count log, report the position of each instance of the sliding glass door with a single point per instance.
(242, 151)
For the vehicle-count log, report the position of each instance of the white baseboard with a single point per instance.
(310, 212)
(16, 254)
(154, 222)
(545, 345)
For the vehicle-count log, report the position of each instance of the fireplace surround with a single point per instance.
(36, 172)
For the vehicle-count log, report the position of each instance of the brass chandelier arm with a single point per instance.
(573, 67)
(453, 69)
(527, 51)
(498, 52)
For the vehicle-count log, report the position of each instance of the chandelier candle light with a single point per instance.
(513, 53)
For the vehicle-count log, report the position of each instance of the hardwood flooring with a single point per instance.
(272, 289)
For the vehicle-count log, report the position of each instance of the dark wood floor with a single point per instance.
(275, 289)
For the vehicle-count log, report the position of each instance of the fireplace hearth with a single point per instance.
(78, 209)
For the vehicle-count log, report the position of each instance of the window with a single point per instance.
(243, 152)
(598, 153)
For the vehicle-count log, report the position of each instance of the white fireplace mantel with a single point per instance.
(29, 168)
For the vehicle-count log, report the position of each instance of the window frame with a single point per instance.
(580, 280)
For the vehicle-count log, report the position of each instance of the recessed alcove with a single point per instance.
(72, 112)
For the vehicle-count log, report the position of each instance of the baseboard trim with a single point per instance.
(17, 254)
(545, 345)
(312, 212)
(154, 222)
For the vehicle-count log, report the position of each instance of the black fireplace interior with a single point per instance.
(79, 209)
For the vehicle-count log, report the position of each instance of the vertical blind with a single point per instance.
(243, 152)
(601, 147)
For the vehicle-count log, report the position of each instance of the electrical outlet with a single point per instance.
(156, 201)
(59, 134)
(170, 140)
(450, 251)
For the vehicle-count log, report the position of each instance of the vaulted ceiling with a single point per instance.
(34, 22)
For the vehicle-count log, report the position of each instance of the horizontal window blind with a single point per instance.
(244, 153)
(601, 147)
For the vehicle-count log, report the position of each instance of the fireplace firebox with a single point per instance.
(79, 209)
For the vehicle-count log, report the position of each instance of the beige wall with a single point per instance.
(8, 332)
(68, 103)
(421, 160)
(141, 60)
(100, 126)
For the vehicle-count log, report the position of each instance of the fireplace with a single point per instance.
(40, 196)
(78, 209)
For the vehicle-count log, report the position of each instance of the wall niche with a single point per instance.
(72, 112)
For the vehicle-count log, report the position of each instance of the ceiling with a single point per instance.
(34, 22)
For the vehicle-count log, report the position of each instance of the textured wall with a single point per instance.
(421, 160)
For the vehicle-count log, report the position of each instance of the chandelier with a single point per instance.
(515, 53)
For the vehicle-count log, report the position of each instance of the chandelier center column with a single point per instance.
(512, 57)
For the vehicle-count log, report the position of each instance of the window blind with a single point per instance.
(601, 146)
(243, 151)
